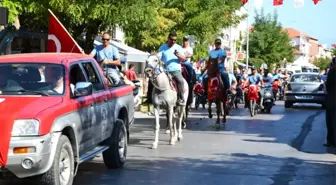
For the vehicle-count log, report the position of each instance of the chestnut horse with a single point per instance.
(215, 91)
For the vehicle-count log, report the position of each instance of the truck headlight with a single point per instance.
(26, 127)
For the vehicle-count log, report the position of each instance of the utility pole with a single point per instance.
(247, 35)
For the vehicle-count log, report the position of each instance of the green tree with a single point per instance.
(322, 63)
(202, 18)
(78, 16)
(268, 43)
(333, 51)
(145, 23)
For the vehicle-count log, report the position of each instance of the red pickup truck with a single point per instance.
(57, 110)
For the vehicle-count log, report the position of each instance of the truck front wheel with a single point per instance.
(115, 156)
(62, 169)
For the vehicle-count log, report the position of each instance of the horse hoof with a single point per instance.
(184, 125)
(210, 116)
(154, 146)
(180, 138)
(172, 142)
(167, 131)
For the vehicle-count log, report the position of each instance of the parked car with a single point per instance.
(305, 88)
(58, 111)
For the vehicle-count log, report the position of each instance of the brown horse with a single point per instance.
(216, 91)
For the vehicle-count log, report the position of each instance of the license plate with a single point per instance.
(304, 97)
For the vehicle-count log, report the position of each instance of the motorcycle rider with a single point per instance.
(254, 79)
(268, 82)
(277, 77)
(232, 78)
(220, 54)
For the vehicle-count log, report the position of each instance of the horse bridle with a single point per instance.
(154, 74)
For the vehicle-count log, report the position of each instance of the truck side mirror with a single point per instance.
(83, 89)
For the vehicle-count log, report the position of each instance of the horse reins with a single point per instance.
(154, 77)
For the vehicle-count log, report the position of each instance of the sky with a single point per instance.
(317, 21)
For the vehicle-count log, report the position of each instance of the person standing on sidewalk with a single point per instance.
(331, 105)
(130, 73)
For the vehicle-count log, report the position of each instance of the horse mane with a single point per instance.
(212, 66)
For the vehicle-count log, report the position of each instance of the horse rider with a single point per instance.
(254, 79)
(172, 55)
(220, 54)
(108, 56)
(188, 53)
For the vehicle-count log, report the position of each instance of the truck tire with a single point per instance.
(115, 156)
(57, 173)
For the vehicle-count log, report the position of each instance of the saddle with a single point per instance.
(215, 82)
(172, 82)
(184, 72)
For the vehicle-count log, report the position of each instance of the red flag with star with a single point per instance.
(59, 39)
(277, 2)
(316, 1)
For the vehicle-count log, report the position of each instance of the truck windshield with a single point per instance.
(32, 79)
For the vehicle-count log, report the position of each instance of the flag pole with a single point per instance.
(247, 35)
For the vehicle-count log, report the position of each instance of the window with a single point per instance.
(76, 75)
(305, 78)
(93, 76)
(32, 78)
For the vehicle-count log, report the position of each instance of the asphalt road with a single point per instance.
(281, 148)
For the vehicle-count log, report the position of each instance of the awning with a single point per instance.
(131, 54)
(241, 64)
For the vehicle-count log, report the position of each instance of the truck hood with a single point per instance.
(19, 107)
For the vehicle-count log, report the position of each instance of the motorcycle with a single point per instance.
(231, 100)
(199, 95)
(240, 94)
(253, 99)
(268, 99)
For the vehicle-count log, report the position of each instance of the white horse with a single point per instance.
(164, 96)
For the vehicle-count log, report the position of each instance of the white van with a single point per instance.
(298, 68)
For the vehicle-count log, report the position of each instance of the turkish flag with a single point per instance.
(316, 1)
(59, 39)
(277, 2)
(333, 45)
(244, 1)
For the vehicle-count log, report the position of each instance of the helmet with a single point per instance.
(253, 68)
(263, 66)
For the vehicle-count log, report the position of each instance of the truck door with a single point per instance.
(84, 114)
(103, 126)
